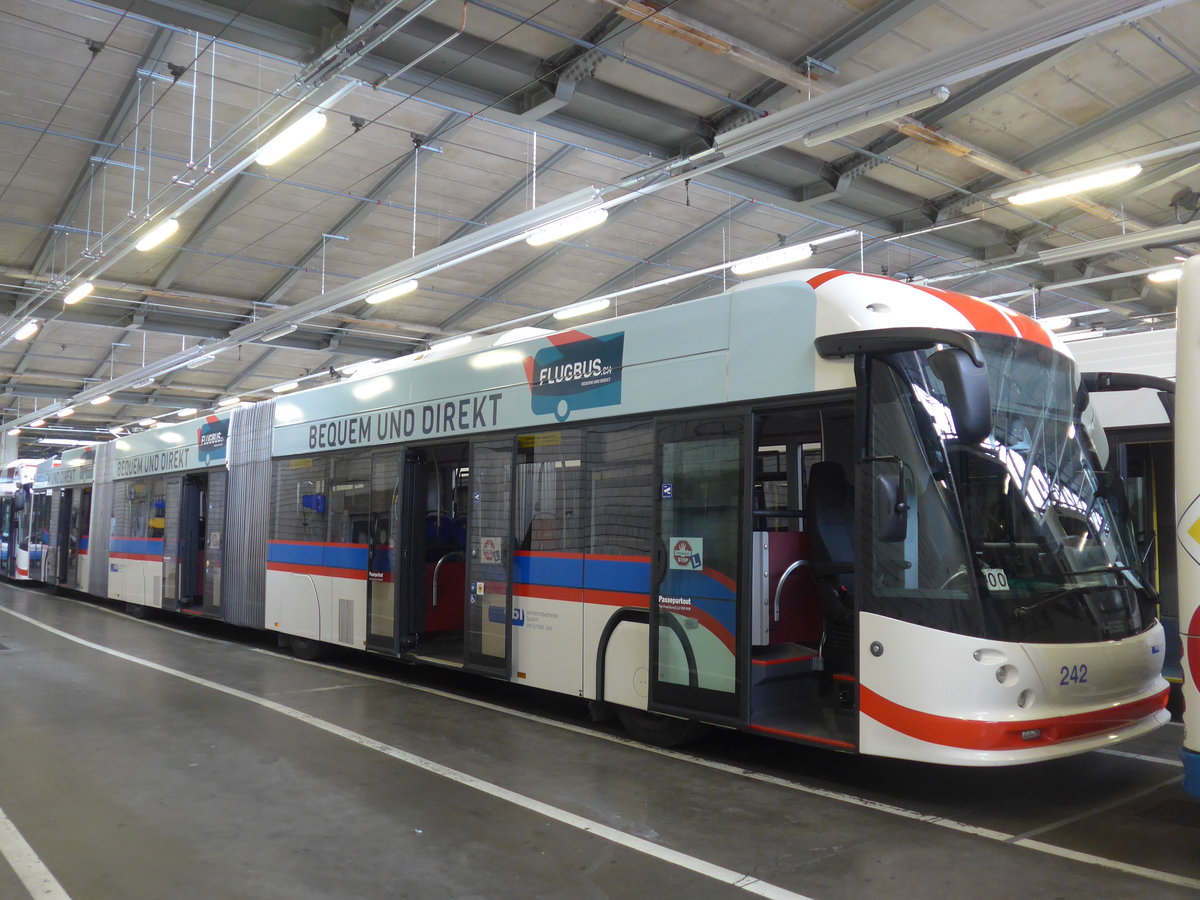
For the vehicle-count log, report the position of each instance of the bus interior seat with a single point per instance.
(829, 519)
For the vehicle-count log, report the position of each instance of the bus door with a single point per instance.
(488, 616)
(210, 540)
(800, 621)
(389, 475)
(64, 540)
(695, 593)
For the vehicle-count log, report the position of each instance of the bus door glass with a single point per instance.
(189, 552)
(212, 540)
(489, 557)
(168, 522)
(694, 604)
(66, 541)
(382, 529)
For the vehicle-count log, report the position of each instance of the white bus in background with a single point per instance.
(1141, 438)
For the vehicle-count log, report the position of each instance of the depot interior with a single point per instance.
(210, 203)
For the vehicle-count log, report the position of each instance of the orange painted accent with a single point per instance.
(849, 678)
(982, 316)
(817, 280)
(971, 734)
(803, 737)
(777, 662)
(547, 592)
(616, 598)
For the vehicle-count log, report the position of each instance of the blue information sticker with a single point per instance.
(668, 490)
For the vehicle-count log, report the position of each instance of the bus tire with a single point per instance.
(307, 648)
(659, 730)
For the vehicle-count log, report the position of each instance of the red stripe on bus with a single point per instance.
(144, 557)
(548, 592)
(982, 316)
(766, 729)
(977, 735)
(817, 280)
(320, 544)
(779, 662)
(328, 571)
(1031, 330)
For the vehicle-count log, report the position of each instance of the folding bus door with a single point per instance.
(695, 598)
(489, 558)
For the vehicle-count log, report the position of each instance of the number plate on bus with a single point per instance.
(996, 579)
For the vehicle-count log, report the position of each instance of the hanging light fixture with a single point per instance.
(78, 293)
(37, 423)
(65, 412)
(229, 401)
(285, 387)
(295, 135)
(157, 235)
(101, 400)
(1074, 185)
(391, 292)
(771, 259)
(187, 412)
(567, 226)
(1165, 276)
(582, 308)
(26, 331)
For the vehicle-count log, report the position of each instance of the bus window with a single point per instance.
(551, 491)
(300, 501)
(620, 462)
(349, 499)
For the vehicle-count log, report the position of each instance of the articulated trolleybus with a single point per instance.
(822, 506)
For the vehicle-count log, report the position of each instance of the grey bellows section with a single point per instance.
(102, 517)
(247, 513)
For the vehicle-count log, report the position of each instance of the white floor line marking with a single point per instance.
(1096, 810)
(665, 854)
(849, 799)
(1178, 763)
(29, 868)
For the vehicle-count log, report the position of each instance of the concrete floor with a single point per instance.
(236, 772)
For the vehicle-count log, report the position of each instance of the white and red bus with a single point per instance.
(823, 506)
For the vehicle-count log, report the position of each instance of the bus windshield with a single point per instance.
(1051, 554)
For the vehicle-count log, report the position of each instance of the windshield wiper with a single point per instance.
(1020, 612)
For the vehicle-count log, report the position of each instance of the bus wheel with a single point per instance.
(307, 648)
(137, 610)
(659, 730)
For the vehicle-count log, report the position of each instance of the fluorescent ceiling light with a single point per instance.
(201, 361)
(28, 330)
(771, 259)
(1075, 185)
(491, 359)
(1165, 276)
(229, 401)
(279, 332)
(567, 226)
(583, 308)
(877, 116)
(66, 411)
(37, 423)
(117, 429)
(145, 382)
(285, 387)
(450, 343)
(1056, 323)
(187, 412)
(66, 442)
(157, 235)
(523, 333)
(295, 135)
(393, 291)
(146, 423)
(101, 400)
(13, 432)
(78, 293)
(1168, 234)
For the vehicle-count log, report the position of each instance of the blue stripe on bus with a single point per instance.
(336, 556)
(694, 583)
(625, 576)
(140, 546)
(597, 574)
(554, 571)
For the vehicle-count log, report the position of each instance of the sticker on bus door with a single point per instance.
(686, 552)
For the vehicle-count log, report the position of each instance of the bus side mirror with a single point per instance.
(18, 501)
(891, 508)
(967, 391)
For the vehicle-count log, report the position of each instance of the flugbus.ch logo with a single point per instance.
(577, 372)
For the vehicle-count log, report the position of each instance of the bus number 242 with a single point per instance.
(1073, 675)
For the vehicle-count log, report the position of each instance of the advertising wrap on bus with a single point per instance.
(188, 445)
(668, 364)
